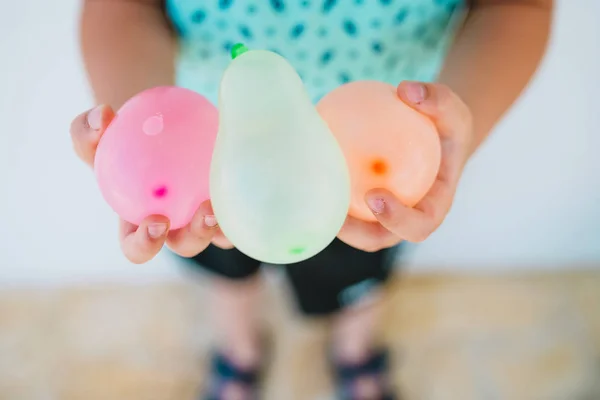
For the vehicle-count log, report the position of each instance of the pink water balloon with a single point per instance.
(154, 157)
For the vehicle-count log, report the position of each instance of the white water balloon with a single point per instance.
(279, 183)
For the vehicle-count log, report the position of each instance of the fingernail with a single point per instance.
(156, 230)
(94, 118)
(376, 205)
(210, 221)
(415, 92)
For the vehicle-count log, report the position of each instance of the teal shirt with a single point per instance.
(329, 42)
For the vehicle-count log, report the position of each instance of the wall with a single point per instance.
(530, 196)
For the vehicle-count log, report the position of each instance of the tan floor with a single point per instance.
(529, 338)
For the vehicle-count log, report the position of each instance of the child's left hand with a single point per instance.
(396, 221)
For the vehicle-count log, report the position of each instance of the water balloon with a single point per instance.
(279, 184)
(387, 144)
(154, 157)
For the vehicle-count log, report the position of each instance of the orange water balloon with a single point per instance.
(387, 144)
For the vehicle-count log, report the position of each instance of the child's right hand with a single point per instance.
(141, 243)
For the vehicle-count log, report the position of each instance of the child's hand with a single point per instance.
(396, 221)
(141, 243)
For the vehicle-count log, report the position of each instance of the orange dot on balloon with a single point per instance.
(379, 167)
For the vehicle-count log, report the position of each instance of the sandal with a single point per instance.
(224, 372)
(348, 375)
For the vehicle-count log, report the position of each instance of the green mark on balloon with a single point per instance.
(237, 50)
(297, 250)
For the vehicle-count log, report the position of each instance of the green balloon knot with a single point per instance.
(237, 50)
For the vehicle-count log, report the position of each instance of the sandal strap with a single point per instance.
(228, 371)
(374, 365)
(377, 365)
(224, 371)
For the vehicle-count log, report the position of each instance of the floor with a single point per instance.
(454, 337)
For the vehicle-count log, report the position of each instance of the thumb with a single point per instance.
(86, 130)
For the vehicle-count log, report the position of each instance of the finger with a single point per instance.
(221, 241)
(86, 130)
(141, 243)
(453, 121)
(450, 114)
(197, 235)
(365, 235)
(413, 224)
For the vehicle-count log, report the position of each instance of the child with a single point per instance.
(131, 45)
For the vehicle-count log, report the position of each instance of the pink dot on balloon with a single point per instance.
(160, 192)
(153, 125)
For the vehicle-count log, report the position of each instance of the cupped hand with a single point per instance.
(141, 243)
(396, 222)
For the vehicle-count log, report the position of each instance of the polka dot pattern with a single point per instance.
(330, 42)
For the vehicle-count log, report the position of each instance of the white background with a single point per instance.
(530, 197)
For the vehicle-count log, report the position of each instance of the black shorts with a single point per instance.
(336, 277)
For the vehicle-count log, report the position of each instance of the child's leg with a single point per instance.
(346, 283)
(233, 303)
(234, 306)
(354, 334)
(355, 328)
